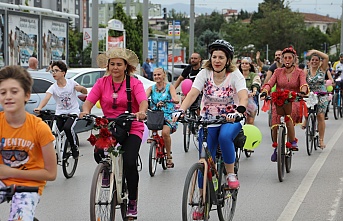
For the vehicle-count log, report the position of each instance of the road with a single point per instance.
(311, 191)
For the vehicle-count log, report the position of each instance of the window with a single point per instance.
(88, 79)
(40, 86)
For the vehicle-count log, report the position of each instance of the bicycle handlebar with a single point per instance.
(218, 120)
(12, 189)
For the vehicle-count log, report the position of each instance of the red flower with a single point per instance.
(281, 97)
(92, 139)
(105, 138)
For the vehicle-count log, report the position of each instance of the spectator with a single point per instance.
(147, 72)
(33, 64)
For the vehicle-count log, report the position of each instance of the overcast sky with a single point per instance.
(323, 7)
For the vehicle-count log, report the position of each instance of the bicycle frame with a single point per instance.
(59, 142)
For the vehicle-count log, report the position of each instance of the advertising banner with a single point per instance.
(115, 42)
(22, 39)
(163, 54)
(54, 41)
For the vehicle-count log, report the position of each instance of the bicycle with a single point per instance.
(7, 192)
(337, 99)
(109, 188)
(189, 128)
(312, 134)
(284, 154)
(63, 148)
(214, 185)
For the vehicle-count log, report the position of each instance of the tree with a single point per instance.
(134, 30)
(211, 22)
(204, 40)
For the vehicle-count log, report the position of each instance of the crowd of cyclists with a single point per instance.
(221, 87)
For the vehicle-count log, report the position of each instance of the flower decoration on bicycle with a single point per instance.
(281, 97)
(104, 139)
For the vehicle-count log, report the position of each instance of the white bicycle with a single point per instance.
(62, 146)
(109, 188)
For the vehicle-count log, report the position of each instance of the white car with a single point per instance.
(178, 69)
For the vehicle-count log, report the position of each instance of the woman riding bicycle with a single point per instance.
(224, 88)
(111, 92)
(290, 78)
(315, 77)
(161, 94)
(27, 155)
(253, 82)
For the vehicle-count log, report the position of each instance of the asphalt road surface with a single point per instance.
(311, 191)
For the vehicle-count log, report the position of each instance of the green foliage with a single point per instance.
(206, 38)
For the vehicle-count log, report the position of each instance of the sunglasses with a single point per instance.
(19, 155)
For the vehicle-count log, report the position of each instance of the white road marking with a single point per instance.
(299, 195)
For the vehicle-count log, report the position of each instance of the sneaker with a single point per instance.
(105, 182)
(132, 208)
(232, 181)
(273, 158)
(294, 145)
(198, 214)
(75, 152)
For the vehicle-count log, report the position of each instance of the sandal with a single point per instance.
(170, 163)
(321, 144)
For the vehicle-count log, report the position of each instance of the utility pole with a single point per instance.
(128, 7)
(95, 32)
(191, 29)
(145, 28)
(341, 44)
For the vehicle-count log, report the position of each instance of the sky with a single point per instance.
(323, 7)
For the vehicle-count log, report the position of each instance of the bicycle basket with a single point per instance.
(155, 119)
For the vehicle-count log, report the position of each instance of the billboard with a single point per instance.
(54, 41)
(158, 50)
(22, 38)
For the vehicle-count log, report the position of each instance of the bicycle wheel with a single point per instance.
(340, 105)
(102, 198)
(69, 163)
(247, 153)
(152, 158)
(227, 198)
(163, 160)
(186, 135)
(336, 109)
(238, 156)
(270, 122)
(281, 153)
(193, 203)
(288, 160)
(310, 130)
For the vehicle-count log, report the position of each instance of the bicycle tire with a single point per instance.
(247, 153)
(281, 153)
(152, 159)
(340, 105)
(335, 106)
(163, 161)
(191, 189)
(227, 198)
(102, 201)
(238, 156)
(186, 136)
(270, 122)
(69, 163)
(310, 134)
(288, 160)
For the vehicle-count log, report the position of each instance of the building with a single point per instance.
(319, 21)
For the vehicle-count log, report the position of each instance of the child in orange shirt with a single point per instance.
(27, 155)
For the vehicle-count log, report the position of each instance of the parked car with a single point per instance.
(178, 68)
(41, 82)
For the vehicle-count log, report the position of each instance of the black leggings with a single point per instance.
(67, 125)
(131, 148)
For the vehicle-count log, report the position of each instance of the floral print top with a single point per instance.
(218, 99)
(317, 84)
